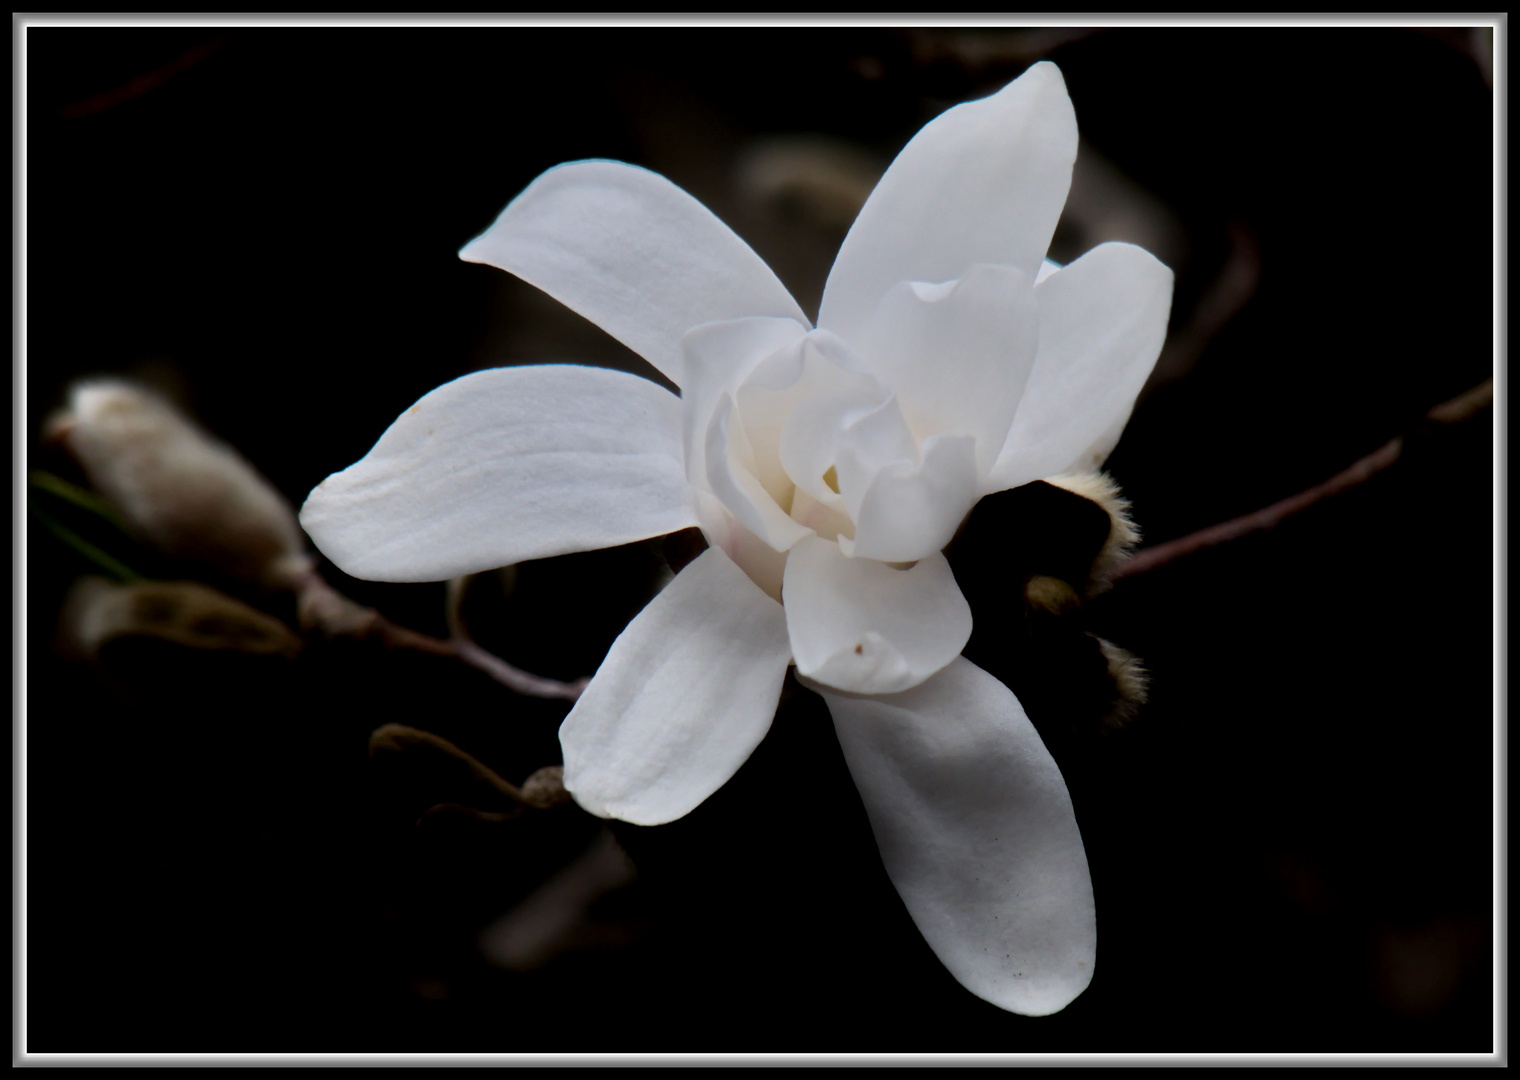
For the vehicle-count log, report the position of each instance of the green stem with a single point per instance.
(109, 563)
(86, 500)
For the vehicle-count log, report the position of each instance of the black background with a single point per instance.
(1291, 847)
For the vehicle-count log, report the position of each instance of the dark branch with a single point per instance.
(1458, 409)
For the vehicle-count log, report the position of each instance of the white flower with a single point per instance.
(827, 468)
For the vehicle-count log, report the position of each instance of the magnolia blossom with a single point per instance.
(827, 466)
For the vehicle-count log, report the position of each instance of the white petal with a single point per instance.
(867, 442)
(753, 555)
(816, 427)
(731, 478)
(818, 373)
(717, 358)
(869, 628)
(977, 832)
(633, 253)
(958, 362)
(827, 519)
(506, 465)
(1092, 459)
(912, 509)
(685, 695)
(982, 183)
(1102, 324)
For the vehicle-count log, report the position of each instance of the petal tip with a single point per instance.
(1047, 71)
(613, 810)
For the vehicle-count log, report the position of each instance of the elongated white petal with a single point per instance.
(866, 627)
(1102, 324)
(1092, 459)
(685, 695)
(977, 832)
(958, 360)
(731, 478)
(633, 253)
(506, 465)
(982, 183)
(912, 509)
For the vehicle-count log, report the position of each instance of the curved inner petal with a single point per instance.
(717, 358)
(958, 355)
(977, 833)
(810, 442)
(818, 376)
(762, 563)
(867, 443)
(867, 628)
(912, 509)
(827, 519)
(730, 475)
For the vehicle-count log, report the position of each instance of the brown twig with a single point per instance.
(1227, 295)
(493, 665)
(139, 85)
(544, 790)
(521, 681)
(323, 608)
(1459, 408)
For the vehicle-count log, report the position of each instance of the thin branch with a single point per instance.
(1462, 407)
(523, 682)
(139, 85)
(321, 607)
(543, 790)
(471, 653)
(1231, 289)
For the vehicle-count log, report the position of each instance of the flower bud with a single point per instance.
(1050, 595)
(820, 182)
(561, 915)
(189, 495)
(1123, 535)
(181, 613)
(546, 788)
(1131, 684)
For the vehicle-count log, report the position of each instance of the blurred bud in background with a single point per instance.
(568, 912)
(819, 181)
(187, 494)
(98, 613)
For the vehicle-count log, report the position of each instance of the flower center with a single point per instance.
(810, 443)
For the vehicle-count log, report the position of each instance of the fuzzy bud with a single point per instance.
(1122, 537)
(182, 613)
(189, 495)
